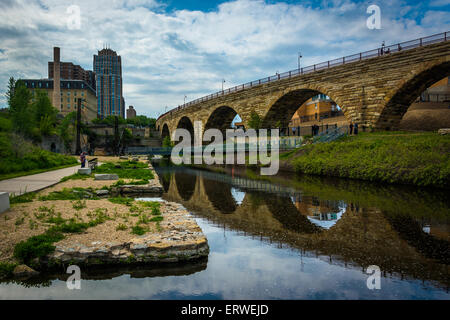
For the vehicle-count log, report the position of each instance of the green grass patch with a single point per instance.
(157, 219)
(78, 205)
(127, 170)
(6, 269)
(122, 200)
(24, 198)
(139, 230)
(70, 194)
(76, 176)
(392, 157)
(37, 246)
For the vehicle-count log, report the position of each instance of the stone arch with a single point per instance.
(401, 97)
(185, 185)
(165, 131)
(219, 194)
(186, 123)
(221, 118)
(287, 103)
(287, 214)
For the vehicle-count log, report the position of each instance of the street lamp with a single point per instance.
(185, 99)
(223, 81)
(299, 57)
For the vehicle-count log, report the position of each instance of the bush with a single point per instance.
(37, 246)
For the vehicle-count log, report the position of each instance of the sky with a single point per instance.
(172, 49)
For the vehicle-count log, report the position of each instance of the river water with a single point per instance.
(285, 237)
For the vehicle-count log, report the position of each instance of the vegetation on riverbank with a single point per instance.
(391, 157)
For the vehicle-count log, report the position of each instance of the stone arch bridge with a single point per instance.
(373, 88)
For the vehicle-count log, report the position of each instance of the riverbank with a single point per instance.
(420, 159)
(87, 222)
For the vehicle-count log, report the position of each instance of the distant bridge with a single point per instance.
(373, 88)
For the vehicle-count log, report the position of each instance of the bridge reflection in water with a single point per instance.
(355, 228)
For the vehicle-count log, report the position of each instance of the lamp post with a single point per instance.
(185, 100)
(223, 81)
(299, 57)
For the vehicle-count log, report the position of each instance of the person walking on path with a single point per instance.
(83, 159)
(351, 128)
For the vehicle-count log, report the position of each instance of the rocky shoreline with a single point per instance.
(170, 236)
(181, 240)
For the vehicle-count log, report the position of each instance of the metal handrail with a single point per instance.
(403, 46)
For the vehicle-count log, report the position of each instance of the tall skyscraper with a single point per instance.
(108, 70)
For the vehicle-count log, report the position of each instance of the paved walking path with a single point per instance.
(35, 182)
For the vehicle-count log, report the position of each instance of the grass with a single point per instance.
(122, 200)
(31, 172)
(76, 176)
(24, 198)
(70, 194)
(78, 205)
(20, 157)
(139, 230)
(6, 269)
(127, 170)
(390, 157)
(42, 245)
(132, 183)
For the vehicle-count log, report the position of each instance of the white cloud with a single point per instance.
(168, 55)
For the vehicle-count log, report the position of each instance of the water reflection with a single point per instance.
(285, 238)
(355, 229)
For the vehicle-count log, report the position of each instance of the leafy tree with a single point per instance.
(42, 107)
(66, 129)
(20, 110)
(166, 142)
(142, 121)
(255, 121)
(10, 91)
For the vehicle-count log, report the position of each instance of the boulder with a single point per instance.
(24, 271)
(135, 159)
(85, 171)
(444, 131)
(4, 201)
(123, 158)
(102, 192)
(106, 177)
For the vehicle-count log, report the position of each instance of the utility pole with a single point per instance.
(78, 145)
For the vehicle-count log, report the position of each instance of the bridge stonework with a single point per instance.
(375, 92)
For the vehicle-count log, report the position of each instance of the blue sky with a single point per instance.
(173, 48)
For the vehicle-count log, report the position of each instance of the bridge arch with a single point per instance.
(165, 131)
(221, 118)
(186, 123)
(284, 107)
(185, 185)
(401, 97)
(220, 196)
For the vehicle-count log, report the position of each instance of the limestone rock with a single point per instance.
(24, 271)
(85, 171)
(106, 177)
(444, 131)
(102, 192)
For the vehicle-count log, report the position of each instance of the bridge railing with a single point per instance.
(384, 50)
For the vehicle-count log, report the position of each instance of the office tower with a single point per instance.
(108, 70)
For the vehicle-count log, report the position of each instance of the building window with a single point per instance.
(68, 99)
(68, 106)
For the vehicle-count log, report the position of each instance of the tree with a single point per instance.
(44, 113)
(10, 91)
(255, 121)
(66, 129)
(20, 110)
